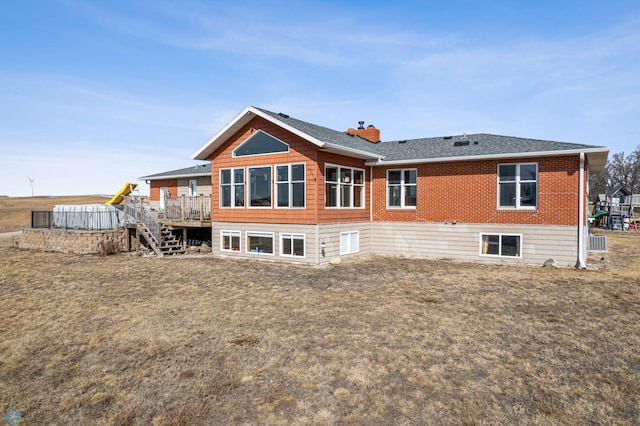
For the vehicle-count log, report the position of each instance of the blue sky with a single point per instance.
(96, 93)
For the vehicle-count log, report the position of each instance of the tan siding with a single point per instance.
(462, 241)
(330, 234)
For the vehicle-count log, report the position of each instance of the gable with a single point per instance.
(260, 143)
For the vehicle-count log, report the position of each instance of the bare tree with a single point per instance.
(620, 169)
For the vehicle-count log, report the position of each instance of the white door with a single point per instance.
(164, 192)
(193, 187)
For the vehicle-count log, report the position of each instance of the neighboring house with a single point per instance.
(190, 181)
(289, 189)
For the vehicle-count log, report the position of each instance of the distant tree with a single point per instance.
(620, 169)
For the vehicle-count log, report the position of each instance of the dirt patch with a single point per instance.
(379, 340)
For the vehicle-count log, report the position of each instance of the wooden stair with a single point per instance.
(169, 243)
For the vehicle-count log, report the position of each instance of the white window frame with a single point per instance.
(518, 182)
(233, 186)
(403, 186)
(231, 234)
(340, 185)
(233, 153)
(289, 182)
(293, 236)
(349, 240)
(500, 235)
(193, 187)
(248, 183)
(260, 234)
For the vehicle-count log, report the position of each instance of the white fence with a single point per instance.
(92, 217)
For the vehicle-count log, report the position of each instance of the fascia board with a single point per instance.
(351, 151)
(587, 151)
(173, 176)
(240, 120)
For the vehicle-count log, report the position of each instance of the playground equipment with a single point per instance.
(615, 210)
(124, 191)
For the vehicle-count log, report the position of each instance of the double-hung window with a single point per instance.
(290, 185)
(232, 187)
(292, 245)
(344, 187)
(518, 186)
(401, 188)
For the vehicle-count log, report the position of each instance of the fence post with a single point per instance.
(182, 208)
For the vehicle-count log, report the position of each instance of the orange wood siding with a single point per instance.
(467, 192)
(155, 185)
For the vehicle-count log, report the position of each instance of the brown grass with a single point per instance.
(112, 340)
(15, 212)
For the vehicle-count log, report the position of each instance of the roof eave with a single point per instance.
(240, 120)
(596, 154)
(154, 177)
(351, 152)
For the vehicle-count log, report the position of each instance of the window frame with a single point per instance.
(350, 249)
(518, 184)
(347, 184)
(293, 236)
(259, 234)
(193, 187)
(500, 236)
(403, 187)
(248, 184)
(290, 183)
(233, 185)
(230, 234)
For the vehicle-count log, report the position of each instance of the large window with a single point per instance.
(260, 186)
(230, 240)
(401, 188)
(260, 143)
(501, 245)
(292, 245)
(260, 242)
(518, 185)
(232, 187)
(290, 185)
(349, 242)
(344, 187)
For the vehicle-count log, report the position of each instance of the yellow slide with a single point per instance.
(124, 191)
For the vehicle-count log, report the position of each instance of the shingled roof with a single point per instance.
(193, 171)
(444, 148)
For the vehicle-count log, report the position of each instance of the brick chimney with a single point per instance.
(370, 133)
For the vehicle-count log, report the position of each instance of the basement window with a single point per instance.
(501, 245)
(230, 241)
(260, 242)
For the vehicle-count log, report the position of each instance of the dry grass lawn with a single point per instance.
(15, 212)
(123, 340)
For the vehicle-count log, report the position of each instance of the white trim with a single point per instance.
(488, 157)
(193, 187)
(260, 234)
(293, 236)
(174, 176)
(232, 185)
(248, 184)
(233, 153)
(289, 182)
(500, 235)
(231, 235)
(350, 249)
(517, 183)
(363, 185)
(403, 186)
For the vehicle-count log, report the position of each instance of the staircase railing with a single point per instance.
(142, 215)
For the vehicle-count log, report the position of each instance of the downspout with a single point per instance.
(581, 261)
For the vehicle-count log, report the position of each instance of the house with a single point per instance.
(291, 190)
(189, 181)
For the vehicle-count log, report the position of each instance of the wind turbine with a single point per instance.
(31, 184)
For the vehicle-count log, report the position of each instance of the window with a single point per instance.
(518, 186)
(292, 245)
(260, 186)
(260, 143)
(232, 187)
(500, 245)
(290, 185)
(401, 188)
(193, 187)
(260, 242)
(349, 242)
(344, 187)
(230, 240)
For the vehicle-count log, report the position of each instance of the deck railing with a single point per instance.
(187, 208)
(137, 213)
